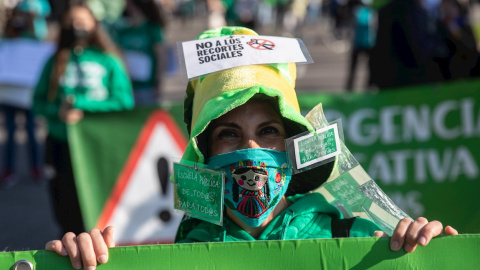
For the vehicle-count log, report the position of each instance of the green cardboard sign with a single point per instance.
(354, 193)
(199, 192)
(317, 147)
(444, 252)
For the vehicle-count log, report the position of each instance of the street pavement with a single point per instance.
(26, 217)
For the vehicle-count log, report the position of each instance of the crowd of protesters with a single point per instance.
(412, 42)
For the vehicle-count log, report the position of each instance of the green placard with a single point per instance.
(354, 193)
(199, 192)
(316, 147)
(447, 252)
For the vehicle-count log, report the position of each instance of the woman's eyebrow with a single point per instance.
(266, 123)
(226, 124)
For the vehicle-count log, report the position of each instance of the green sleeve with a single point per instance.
(363, 228)
(41, 105)
(119, 88)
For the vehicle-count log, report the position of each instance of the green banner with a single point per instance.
(448, 252)
(419, 144)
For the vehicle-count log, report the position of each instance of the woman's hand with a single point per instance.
(67, 113)
(410, 233)
(86, 249)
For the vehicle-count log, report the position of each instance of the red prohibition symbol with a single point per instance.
(261, 44)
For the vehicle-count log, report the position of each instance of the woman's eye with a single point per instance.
(226, 133)
(269, 130)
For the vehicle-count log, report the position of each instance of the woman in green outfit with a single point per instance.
(139, 33)
(84, 74)
(238, 120)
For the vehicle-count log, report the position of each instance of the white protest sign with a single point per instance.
(22, 60)
(206, 56)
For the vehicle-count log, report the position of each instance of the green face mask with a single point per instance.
(256, 180)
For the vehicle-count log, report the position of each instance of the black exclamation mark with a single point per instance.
(163, 174)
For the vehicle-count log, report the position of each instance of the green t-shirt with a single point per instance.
(137, 44)
(309, 217)
(98, 82)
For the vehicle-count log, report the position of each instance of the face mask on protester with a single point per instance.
(76, 35)
(256, 180)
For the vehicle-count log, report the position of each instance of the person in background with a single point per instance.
(411, 46)
(216, 13)
(84, 75)
(140, 35)
(364, 37)
(107, 11)
(22, 26)
(461, 40)
(238, 120)
(39, 10)
(241, 12)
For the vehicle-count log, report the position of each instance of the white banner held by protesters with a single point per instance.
(204, 56)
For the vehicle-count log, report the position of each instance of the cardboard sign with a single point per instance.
(206, 56)
(22, 60)
(199, 192)
(355, 194)
(317, 147)
(443, 252)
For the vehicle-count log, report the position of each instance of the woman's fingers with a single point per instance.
(429, 231)
(99, 246)
(73, 116)
(398, 236)
(419, 232)
(449, 230)
(70, 243)
(86, 248)
(414, 234)
(380, 234)
(57, 246)
(85, 244)
(108, 236)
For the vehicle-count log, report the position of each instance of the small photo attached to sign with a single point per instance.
(199, 192)
(316, 147)
(204, 56)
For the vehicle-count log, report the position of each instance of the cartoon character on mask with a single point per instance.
(256, 179)
(254, 197)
